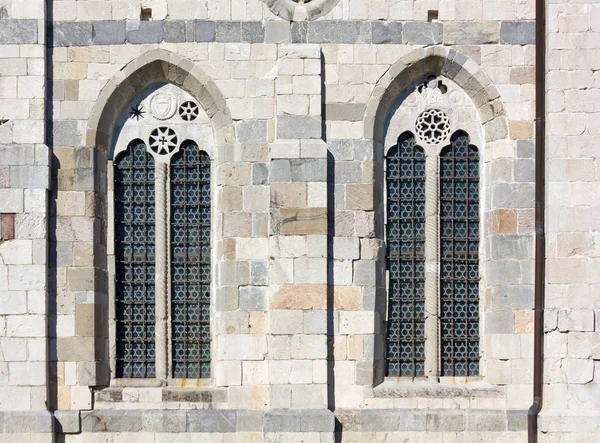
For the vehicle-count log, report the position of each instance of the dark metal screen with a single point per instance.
(459, 281)
(405, 182)
(134, 258)
(190, 262)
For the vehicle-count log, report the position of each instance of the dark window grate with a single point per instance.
(459, 258)
(190, 262)
(135, 264)
(405, 239)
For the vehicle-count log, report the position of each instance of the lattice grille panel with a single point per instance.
(190, 262)
(459, 246)
(405, 183)
(135, 262)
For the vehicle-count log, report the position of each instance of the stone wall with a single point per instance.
(301, 114)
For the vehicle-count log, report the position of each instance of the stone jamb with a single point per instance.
(155, 66)
(470, 77)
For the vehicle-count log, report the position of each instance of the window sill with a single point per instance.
(174, 391)
(448, 387)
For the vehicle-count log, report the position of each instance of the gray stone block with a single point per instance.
(512, 297)
(84, 179)
(144, 32)
(71, 34)
(204, 31)
(298, 127)
(282, 421)
(517, 33)
(308, 170)
(278, 31)
(29, 177)
(299, 32)
(445, 420)
(228, 32)
(509, 195)
(251, 131)
(27, 421)
(174, 31)
(511, 247)
(108, 32)
(112, 421)
(354, 112)
(471, 33)
(499, 322)
(205, 395)
(164, 421)
(327, 31)
(486, 420)
(516, 420)
(67, 422)
(211, 421)
(422, 33)
(14, 154)
(260, 174)
(386, 32)
(253, 298)
(259, 272)
(525, 149)
(365, 272)
(253, 32)
(341, 149)
(524, 170)
(317, 420)
(249, 421)
(380, 420)
(16, 32)
(348, 172)
(281, 170)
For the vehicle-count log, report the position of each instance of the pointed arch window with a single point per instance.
(162, 226)
(432, 258)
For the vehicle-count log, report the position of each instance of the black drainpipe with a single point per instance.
(540, 207)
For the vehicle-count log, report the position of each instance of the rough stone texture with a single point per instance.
(108, 33)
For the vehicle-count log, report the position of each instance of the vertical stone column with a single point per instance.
(160, 186)
(297, 326)
(432, 266)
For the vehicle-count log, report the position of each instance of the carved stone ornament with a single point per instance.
(163, 106)
(433, 126)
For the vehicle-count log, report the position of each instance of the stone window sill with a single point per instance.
(155, 383)
(448, 387)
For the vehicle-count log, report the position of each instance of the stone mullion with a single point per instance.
(431, 267)
(161, 277)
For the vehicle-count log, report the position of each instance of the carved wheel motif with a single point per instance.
(433, 126)
(163, 141)
(188, 111)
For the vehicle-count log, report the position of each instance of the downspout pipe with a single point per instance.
(540, 208)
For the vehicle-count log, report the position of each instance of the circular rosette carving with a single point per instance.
(163, 141)
(433, 126)
(163, 106)
(188, 111)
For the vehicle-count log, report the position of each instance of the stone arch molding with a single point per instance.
(444, 62)
(155, 66)
(298, 11)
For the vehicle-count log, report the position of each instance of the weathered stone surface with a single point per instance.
(471, 33)
(278, 31)
(300, 296)
(422, 33)
(145, 32)
(303, 221)
(18, 32)
(204, 31)
(174, 31)
(253, 32)
(252, 131)
(108, 32)
(71, 33)
(517, 33)
(386, 33)
(228, 31)
(300, 127)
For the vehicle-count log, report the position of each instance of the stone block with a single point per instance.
(211, 421)
(251, 131)
(365, 272)
(317, 420)
(310, 170)
(422, 33)
(282, 421)
(253, 298)
(241, 347)
(386, 33)
(67, 422)
(359, 196)
(260, 174)
(228, 373)
(517, 33)
(164, 421)
(145, 32)
(66, 133)
(249, 421)
(300, 296)
(310, 270)
(299, 32)
(445, 421)
(471, 33)
(357, 322)
(353, 112)
(309, 347)
(346, 248)
(581, 320)
(253, 32)
(27, 422)
(303, 221)
(278, 31)
(298, 127)
(281, 170)
(347, 298)
(11, 201)
(174, 31)
(315, 322)
(18, 32)
(71, 34)
(204, 31)
(486, 420)
(326, 31)
(228, 32)
(108, 32)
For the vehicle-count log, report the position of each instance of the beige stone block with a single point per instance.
(69, 71)
(252, 248)
(256, 198)
(520, 130)
(524, 322)
(260, 397)
(303, 221)
(347, 298)
(504, 221)
(300, 296)
(258, 322)
(237, 224)
(285, 322)
(236, 174)
(359, 197)
(291, 195)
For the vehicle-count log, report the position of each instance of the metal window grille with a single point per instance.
(190, 262)
(459, 261)
(135, 263)
(405, 235)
